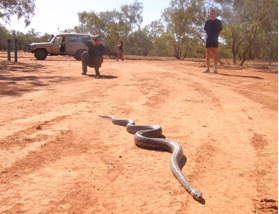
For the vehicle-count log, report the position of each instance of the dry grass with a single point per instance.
(248, 63)
(147, 58)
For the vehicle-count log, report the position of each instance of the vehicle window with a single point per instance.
(57, 40)
(73, 38)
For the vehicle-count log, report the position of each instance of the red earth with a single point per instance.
(58, 156)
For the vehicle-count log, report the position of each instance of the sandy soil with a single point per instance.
(58, 156)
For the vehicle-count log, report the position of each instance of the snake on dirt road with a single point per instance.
(147, 137)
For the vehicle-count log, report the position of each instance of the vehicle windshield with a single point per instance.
(56, 40)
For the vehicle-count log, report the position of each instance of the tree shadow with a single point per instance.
(16, 86)
(8, 66)
(231, 75)
(57, 60)
(14, 83)
(267, 70)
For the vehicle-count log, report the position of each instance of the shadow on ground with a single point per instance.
(15, 82)
(102, 76)
(242, 76)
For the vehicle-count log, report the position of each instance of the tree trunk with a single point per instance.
(234, 56)
(228, 61)
(234, 52)
(271, 58)
(176, 52)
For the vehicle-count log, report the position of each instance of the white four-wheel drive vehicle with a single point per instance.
(61, 44)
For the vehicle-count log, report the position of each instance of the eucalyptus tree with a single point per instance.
(111, 25)
(131, 15)
(140, 42)
(3, 37)
(267, 37)
(244, 17)
(155, 29)
(20, 8)
(184, 19)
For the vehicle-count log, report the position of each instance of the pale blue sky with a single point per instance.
(53, 14)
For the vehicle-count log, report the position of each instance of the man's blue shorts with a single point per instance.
(211, 45)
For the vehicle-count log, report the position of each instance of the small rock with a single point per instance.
(39, 127)
(120, 156)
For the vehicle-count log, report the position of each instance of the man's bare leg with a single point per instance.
(208, 51)
(85, 62)
(121, 55)
(215, 59)
(118, 56)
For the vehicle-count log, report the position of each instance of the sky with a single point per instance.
(52, 16)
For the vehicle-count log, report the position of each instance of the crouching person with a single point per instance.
(92, 58)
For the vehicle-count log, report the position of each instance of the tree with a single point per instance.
(3, 37)
(112, 25)
(140, 42)
(132, 15)
(261, 9)
(266, 41)
(163, 45)
(185, 19)
(20, 8)
(244, 17)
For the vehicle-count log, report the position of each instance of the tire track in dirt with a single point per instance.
(154, 91)
(264, 201)
(36, 166)
(34, 160)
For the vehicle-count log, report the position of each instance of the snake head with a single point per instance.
(197, 195)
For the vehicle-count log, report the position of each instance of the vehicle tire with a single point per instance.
(41, 54)
(77, 55)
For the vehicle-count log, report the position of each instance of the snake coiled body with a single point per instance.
(146, 136)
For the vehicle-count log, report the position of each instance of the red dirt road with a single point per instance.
(58, 156)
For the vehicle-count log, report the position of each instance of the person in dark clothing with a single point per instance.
(62, 48)
(120, 50)
(94, 56)
(213, 28)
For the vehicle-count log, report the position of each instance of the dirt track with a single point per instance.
(58, 156)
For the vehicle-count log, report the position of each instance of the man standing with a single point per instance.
(213, 28)
(120, 50)
(94, 56)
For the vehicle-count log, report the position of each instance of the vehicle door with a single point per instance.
(56, 45)
(73, 44)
